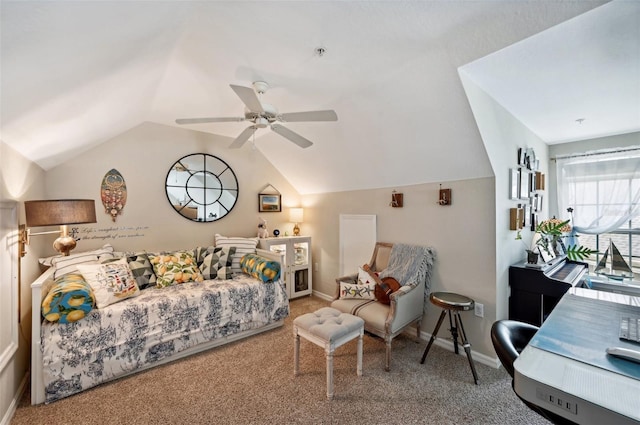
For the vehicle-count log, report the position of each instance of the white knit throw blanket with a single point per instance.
(411, 264)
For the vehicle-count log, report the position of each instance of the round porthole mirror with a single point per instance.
(202, 187)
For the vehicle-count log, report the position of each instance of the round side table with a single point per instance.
(453, 304)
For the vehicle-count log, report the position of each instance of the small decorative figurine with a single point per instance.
(262, 228)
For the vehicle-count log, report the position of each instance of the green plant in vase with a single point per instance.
(552, 230)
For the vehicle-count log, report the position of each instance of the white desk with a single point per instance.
(579, 390)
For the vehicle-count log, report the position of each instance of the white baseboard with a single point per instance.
(322, 296)
(447, 344)
(6, 419)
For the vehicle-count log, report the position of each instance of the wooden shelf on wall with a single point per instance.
(516, 216)
(539, 180)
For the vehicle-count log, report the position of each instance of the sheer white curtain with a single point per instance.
(603, 188)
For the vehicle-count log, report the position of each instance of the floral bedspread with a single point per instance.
(158, 323)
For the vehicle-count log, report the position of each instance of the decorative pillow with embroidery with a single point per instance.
(111, 282)
(243, 246)
(260, 268)
(69, 299)
(359, 291)
(217, 264)
(175, 268)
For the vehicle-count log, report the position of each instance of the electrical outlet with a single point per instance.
(479, 310)
(315, 267)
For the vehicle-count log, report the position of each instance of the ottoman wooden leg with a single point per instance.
(359, 369)
(330, 375)
(327, 328)
(296, 353)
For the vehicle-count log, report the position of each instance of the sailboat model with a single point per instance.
(618, 268)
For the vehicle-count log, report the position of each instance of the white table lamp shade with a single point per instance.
(296, 215)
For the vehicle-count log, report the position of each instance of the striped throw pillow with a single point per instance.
(243, 246)
(69, 264)
(102, 253)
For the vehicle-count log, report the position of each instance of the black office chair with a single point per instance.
(509, 337)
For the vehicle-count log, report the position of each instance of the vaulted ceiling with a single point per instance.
(75, 74)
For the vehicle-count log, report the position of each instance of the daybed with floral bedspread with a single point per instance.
(107, 317)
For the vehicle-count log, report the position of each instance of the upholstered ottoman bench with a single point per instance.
(328, 328)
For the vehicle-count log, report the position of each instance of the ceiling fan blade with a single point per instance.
(248, 97)
(243, 137)
(328, 115)
(205, 120)
(291, 135)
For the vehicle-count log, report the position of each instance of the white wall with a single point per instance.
(20, 179)
(463, 235)
(144, 155)
(502, 135)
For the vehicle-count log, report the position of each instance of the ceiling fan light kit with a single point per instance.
(260, 86)
(261, 122)
(262, 115)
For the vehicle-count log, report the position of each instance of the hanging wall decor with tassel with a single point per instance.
(113, 192)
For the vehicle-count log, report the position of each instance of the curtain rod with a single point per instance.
(595, 153)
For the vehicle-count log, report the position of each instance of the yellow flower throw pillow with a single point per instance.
(260, 268)
(175, 268)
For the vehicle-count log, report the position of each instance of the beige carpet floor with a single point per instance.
(252, 382)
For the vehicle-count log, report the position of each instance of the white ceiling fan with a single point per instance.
(263, 114)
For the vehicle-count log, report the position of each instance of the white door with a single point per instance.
(357, 240)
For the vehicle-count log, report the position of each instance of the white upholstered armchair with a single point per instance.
(411, 266)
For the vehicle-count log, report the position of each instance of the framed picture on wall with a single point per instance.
(526, 216)
(538, 202)
(522, 156)
(269, 203)
(514, 183)
(532, 182)
(524, 184)
(530, 159)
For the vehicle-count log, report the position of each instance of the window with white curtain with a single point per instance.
(603, 188)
